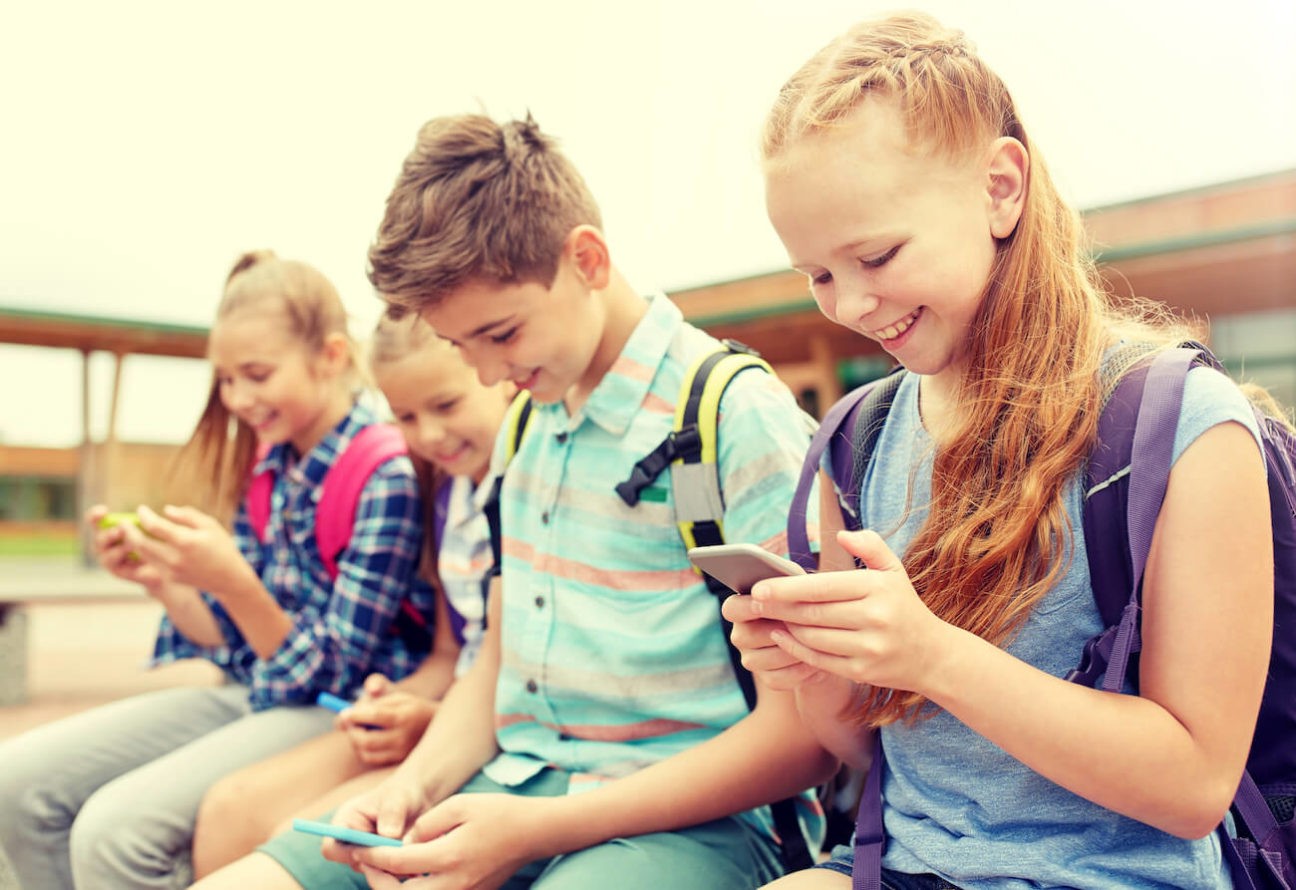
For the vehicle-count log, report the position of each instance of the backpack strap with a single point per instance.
(1126, 482)
(346, 478)
(870, 836)
(516, 418)
(513, 429)
(695, 470)
(1134, 458)
(848, 433)
(691, 450)
(692, 446)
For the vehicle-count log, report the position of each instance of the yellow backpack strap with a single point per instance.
(691, 449)
(514, 429)
(515, 424)
(692, 452)
(695, 470)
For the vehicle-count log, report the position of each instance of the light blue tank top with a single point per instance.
(957, 805)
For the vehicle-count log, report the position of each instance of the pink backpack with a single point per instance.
(335, 514)
(339, 490)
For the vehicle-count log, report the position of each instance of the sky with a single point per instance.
(145, 145)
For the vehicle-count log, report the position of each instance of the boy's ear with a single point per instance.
(588, 251)
(1007, 176)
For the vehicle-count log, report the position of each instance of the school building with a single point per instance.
(43, 491)
(1225, 253)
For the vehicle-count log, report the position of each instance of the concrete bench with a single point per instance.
(25, 585)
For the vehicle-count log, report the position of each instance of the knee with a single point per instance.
(225, 807)
(99, 826)
(119, 836)
(33, 798)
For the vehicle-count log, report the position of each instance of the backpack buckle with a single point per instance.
(738, 346)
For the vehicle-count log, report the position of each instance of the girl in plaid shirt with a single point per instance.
(449, 420)
(107, 798)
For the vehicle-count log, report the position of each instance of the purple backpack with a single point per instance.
(1125, 483)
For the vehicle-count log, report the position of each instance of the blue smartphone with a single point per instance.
(334, 703)
(337, 705)
(346, 835)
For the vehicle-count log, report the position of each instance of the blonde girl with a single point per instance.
(450, 421)
(901, 180)
(107, 798)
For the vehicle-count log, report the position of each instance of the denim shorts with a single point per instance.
(843, 859)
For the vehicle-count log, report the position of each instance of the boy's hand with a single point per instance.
(189, 547)
(400, 717)
(468, 841)
(389, 810)
(869, 627)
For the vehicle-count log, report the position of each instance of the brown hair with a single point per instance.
(398, 335)
(997, 531)
(212, 469)
(477, 199)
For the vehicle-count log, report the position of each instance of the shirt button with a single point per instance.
(539, 601)
(544, 517)
(562, 438)
(532, 687)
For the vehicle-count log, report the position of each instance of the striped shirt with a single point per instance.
(341, 630)
(613, 652)
(463, 563)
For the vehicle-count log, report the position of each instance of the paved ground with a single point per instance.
(81, 654)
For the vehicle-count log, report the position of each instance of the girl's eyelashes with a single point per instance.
(254, 376)
(819, 279)
(881, 259)
(445, 407)
(500, 339)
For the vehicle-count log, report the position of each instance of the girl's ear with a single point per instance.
(336, 355)
(1007, 176)
(588, 251)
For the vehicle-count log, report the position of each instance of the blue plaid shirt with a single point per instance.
(342, 630)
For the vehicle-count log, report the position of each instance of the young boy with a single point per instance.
(605, 670)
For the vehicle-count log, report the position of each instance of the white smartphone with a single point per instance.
(739, 566)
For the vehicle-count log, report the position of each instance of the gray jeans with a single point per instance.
(106, 799)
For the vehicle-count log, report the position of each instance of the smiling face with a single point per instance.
(447, 417)
(898, 244)
(542, 339)
(269, 379)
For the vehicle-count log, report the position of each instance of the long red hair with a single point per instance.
(997, 533)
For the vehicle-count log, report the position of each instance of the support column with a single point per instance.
(86, 474)
(828, 383)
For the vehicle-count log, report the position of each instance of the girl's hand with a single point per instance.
(472, 841)
(400, 716)
(752, 635)
(869, 627)
(115, 553)
(189, 547)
